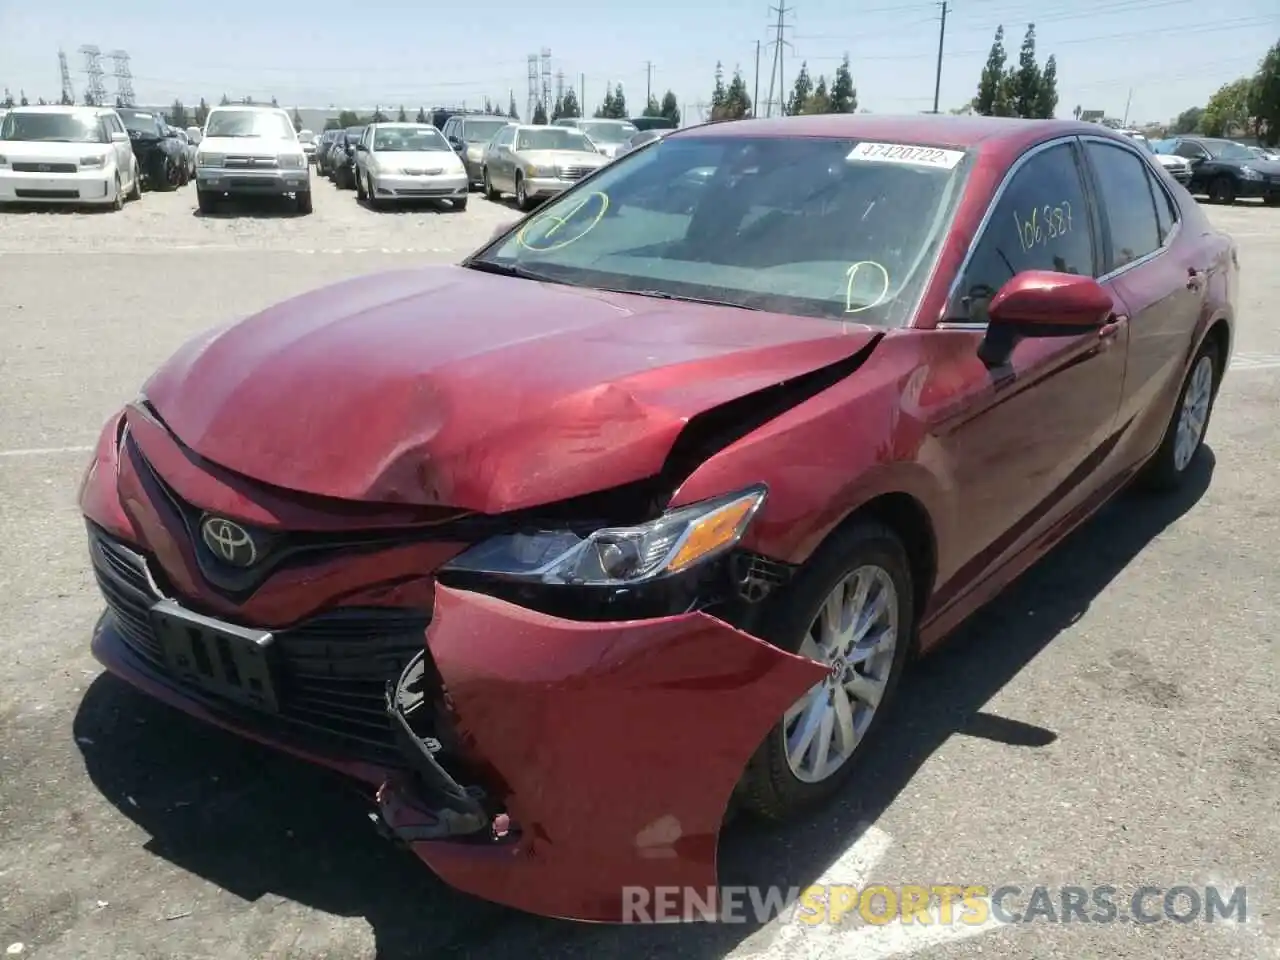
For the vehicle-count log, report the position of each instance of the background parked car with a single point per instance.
(607, 135)
(1178, 167)
(161, 155)
(408, 161)
(469, 134)
(323, 145)
(307, 139)
(57, 154)
(640, 139)
(1227, 171)
(536, 162)
(189, 152)
(653, 123)
(342, 158)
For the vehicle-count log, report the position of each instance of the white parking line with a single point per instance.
(855, 867)
(43, 451)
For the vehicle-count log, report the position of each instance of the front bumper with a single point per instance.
(1259, 189)
(571, 760)
(548, 186)
(474, 167)
(266, 183)
(86, 186)
(406, 187)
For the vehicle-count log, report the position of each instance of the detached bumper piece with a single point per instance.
(448, 809)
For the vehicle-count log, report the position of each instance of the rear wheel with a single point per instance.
(135, 191)
(117, 199)
(1190, 421)
(459, 204)
(852, 608)
(361, 192)
(1222, 190)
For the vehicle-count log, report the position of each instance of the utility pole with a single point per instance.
(1127, 102)
(777, 73)
(755, 99)
(648, 83)
(942, 38)
(582, 94)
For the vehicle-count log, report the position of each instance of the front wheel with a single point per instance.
(459, 204)
(852, 608)
(207, 202)
(303, 201)
(1222, 190)
(489, 192)
(117, 200)
(1185, 433)
(523, 200)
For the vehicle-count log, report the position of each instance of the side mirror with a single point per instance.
(361, 148)
(119, 136)
(1042, 303)
(455, 143)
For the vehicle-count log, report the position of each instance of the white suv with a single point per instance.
(250, 151)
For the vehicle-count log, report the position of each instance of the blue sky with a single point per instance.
(1170, 53)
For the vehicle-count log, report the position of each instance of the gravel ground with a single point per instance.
(1113, 719)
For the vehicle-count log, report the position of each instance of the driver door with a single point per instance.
(1026, 443)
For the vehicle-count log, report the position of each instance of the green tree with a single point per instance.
(606, 105)
(43, 102)
(820, 100)
(512, 112)
(22, 99)
(1024, 81)
(488, 105)
(401, 116)
(297, 120)
(800, 92)
(670, 108)
(225, 101)
(718, 93)
(119, 101)
(202, 113)
(737, 102)
(348, 118)
(9, 103)
(844, 96)
(378, 115)
(569, 106)
(557, 109)
(617, 104)
(66, 99)
(1264, 98)
(1188, 121)
(1228, 109)
(539, 114)
(1047, 96)
(991, 100)
(178, 114)
(421, 117)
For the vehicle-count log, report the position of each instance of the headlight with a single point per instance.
(4, 161)
(293, 161)
(615, 556)
(544, 171)
(209, 160)
(93, 161)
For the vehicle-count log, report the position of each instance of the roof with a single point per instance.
(247, 106)
(481, 116)
(58, 108)
(941, 130)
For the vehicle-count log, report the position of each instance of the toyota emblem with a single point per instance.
(229, 542)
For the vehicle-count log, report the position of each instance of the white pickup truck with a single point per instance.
(249, 151)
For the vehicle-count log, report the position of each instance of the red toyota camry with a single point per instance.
(639, 511)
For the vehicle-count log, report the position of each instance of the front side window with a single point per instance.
(1128, 206)
(1041, 222)
(250, 123)
(829, 228)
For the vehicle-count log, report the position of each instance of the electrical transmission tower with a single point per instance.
(777, 73)
(559, 86)
(95, 93)
(546, 81)
(124, 78)
(533, 88)
(68, 91)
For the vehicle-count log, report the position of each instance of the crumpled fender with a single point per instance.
(618, 746)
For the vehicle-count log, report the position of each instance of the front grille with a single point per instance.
(47, 194)
(331, 670)
(574, 173)
(424, 192)
(252, 163)
(44, 167)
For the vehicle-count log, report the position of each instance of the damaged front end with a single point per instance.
(580, 719)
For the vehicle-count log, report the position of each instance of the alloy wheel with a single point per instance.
(856, 634)
(1194, 413)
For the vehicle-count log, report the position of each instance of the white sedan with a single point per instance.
(58, 154)
(408, 161)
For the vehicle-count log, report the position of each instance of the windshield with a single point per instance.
(608, 132)
(1227, 150)
(250, 123)
(553, 138)
(139, 122)
(817, 227)
(51, 128)
(409, 140)
(481, 131)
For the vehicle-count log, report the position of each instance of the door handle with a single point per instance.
(1112, 327)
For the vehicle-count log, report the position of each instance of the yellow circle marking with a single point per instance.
(851, 274)
(561, 221)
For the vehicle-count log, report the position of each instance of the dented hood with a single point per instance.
(448, 386)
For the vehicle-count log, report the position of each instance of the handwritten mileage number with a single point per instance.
(1045, 223)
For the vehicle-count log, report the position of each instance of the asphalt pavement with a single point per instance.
(1113, 719)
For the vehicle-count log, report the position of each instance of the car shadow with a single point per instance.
(402, 207)
(256, 823)
(254, 208)
(64, 210)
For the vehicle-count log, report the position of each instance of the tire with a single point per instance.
(1222, 189)
(459, 204)
(135, 192)
(523, 201)
(303, 200)
(206, 202)
(117, 201)
(770, 786)
(361, 192)
(489, 192)
(1167, 470)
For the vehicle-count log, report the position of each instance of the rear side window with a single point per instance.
(1128, 206)
(1041, 222)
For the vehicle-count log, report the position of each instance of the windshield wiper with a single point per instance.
(663, 295)
(510, 270)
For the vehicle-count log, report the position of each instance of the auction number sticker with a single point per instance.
(556, 230)
(907, 154)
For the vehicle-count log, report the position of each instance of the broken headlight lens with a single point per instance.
(678, 540)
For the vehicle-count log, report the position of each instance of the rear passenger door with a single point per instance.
(1159, 280)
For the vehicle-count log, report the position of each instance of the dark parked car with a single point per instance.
(162, 157)
(652, 123)
(638, 140)
(1228, 171)
(342, 157)
(324, 147)
(635, 516)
